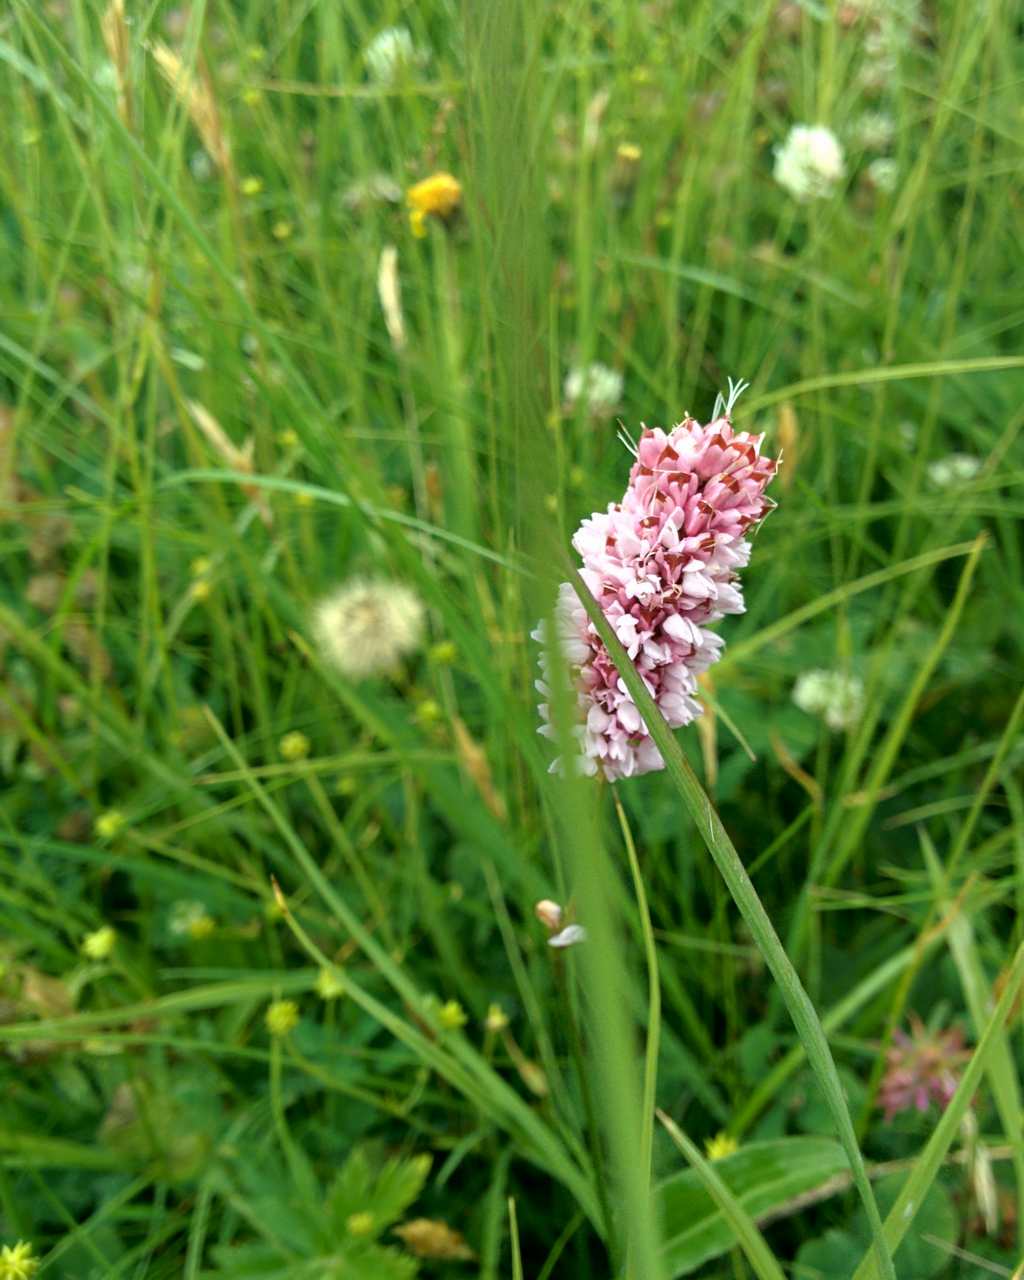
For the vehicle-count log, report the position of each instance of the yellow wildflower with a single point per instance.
(721, 1145)
(452, 1016)
(17, 1262)
(438, 196)
(360, 1224)
(109, 824)
(99, 944)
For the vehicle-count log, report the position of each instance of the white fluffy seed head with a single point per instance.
(367, 626)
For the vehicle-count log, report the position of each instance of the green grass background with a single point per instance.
(142, 1098)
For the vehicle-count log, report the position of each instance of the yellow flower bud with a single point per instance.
(294, 746)
(282, 1017)
(100, 944)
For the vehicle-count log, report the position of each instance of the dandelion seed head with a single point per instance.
(367, 626)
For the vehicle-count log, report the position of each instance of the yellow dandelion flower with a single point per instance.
(438, 196)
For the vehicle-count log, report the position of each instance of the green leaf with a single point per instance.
(385, 1194)
(761, 1177)
(835, 1255)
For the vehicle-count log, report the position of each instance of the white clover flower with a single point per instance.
(883, 174)
(809, 164)
(954, 469)
(367, 626)
(836, 697)
(390, 53)
(597, 386)
(874, 131)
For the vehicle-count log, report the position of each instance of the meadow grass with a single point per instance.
(232, 380)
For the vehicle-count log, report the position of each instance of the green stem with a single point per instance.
(733, 872)
(653, 994)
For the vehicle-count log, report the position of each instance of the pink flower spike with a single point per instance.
(662, 564)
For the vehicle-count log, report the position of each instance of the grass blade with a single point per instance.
(733, 872)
